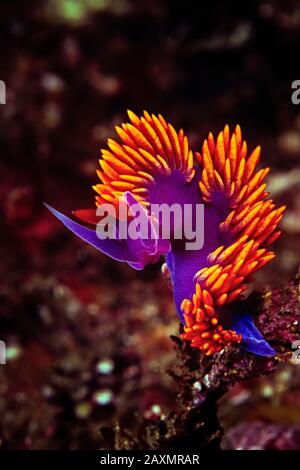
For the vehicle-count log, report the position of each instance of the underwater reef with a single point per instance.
(83, 376)
(236, 400)
(95, 353)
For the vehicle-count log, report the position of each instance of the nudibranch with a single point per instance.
(153, 164)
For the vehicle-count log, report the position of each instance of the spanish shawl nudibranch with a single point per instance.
(154, 164)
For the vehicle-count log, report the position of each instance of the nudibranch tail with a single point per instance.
(230, 182)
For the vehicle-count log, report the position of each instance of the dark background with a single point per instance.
(72, 68)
